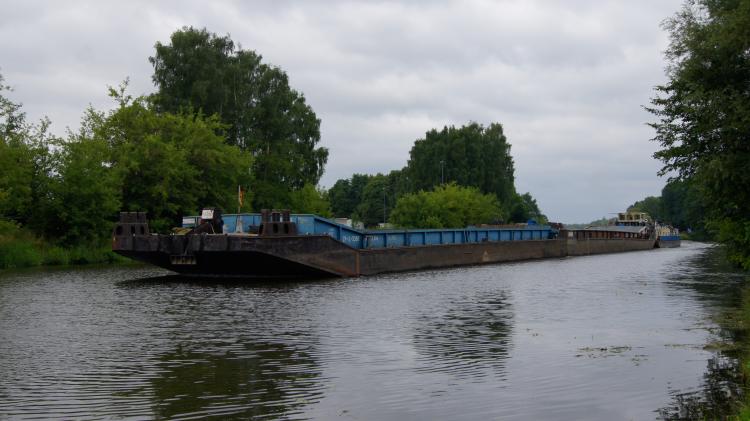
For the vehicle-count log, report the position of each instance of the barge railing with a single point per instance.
(308, 224)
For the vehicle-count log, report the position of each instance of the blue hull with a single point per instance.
(668, 241)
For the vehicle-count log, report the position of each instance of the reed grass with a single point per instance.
(20, 248)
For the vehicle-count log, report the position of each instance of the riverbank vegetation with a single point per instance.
(471, 156)
(168, 153)
(703, 116)
(680, 205)
(64, 193)
(703, 124)
(21, 248)
(221, 118)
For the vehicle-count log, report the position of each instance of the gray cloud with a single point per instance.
(567, 79)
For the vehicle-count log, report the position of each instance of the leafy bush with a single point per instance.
(17, 248)
(310, 200)
(448, 206)
(18, 254)
(736, 236)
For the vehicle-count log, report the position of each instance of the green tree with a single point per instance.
(340, 195)
(680, 205)
(85, 193)
(447, 206)
(308, 199)
(683, 207)
(346, 194)
(399, 183)
(199, 70)
(651, 205)
(703, 113)
(16, 173)
(24, 161)
(169, 164)
(522, 208)
(374, 205)
(472, 155)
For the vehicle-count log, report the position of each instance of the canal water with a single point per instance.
(620, 336)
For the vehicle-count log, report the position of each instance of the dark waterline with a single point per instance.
(617, 336)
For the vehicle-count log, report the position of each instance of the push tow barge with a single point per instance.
(277, 244)
(640, 222)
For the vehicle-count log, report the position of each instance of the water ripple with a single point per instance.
(579, 338)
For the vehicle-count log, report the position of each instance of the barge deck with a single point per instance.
(308, 246)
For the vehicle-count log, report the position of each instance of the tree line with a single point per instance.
(472, 161)
(679, 205)
(221, 118)
(703, 122)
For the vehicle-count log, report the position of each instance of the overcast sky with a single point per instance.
(566, 79)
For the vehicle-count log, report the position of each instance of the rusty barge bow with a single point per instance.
(277, 244)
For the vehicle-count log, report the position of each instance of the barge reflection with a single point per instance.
(470, 337)
(268, 380)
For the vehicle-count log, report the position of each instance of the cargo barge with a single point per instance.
(277, 244)
(640, 222)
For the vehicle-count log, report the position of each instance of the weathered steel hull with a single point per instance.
(315, 256)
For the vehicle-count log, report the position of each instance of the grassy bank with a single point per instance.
(19, 248)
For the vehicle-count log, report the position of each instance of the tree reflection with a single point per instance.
(470, 336)
(713, 279)
(717, 399)
(265, 380)
(720, 287)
